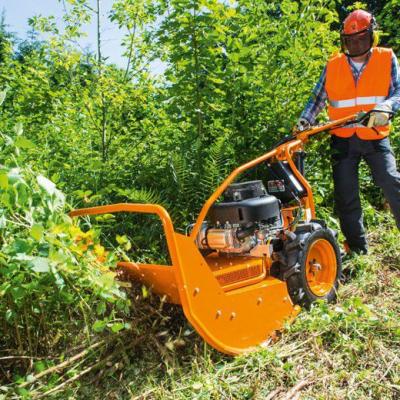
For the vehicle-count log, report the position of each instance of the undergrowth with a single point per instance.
(347, 350)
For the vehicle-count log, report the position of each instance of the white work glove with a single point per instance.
(301, 125)
(380, 116)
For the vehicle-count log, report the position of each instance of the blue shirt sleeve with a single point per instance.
(317, 101)
(393, 100)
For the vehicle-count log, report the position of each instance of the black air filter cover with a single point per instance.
(264, 209)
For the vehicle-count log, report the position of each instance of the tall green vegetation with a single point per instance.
(236, 73)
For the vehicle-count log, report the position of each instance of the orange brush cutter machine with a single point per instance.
(255, 255)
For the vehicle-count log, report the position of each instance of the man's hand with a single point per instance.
(301, 125)
(379, 116)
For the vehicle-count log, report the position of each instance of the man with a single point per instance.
(361, 78)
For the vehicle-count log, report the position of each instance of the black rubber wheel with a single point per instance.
(318, 270)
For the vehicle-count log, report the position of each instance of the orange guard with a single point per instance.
(233, 303)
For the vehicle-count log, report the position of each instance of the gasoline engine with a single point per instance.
(247, 217)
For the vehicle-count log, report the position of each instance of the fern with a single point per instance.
(196, 175)
(216, 166)
(181, 173)
(146, 196)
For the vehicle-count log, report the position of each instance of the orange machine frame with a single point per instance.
(232, 319)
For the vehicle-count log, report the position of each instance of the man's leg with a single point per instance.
(347, 198)
(382, 163)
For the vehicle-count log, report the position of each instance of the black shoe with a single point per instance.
(359, 251)
(350, 251)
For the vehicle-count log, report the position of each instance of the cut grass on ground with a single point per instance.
(347, 350)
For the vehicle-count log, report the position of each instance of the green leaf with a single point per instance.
(3, 96)
(57, 257)
(107, 279)
(101, 308)
(104, 217)
(145, 292)
(24, 143)
(121, 239)
(14, 176)
(19, 128)
(216, 80)
(10, 314)
(18, 293)
(3, 181)
(40, 264)
(39, 366)
(37, 232)
(46, 184)
(4, 288)
(117, 326)
(99, 325)
(23, 257)
(24, 393)
(197, 386)
(5, 199)
(21, 246)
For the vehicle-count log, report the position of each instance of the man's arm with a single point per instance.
(392, 102)
(317, 100)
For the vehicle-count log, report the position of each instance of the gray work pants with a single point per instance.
(346, 156)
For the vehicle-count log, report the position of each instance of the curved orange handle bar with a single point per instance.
(298, 139)
(138, 208)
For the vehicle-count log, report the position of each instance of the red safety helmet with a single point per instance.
(357, 34)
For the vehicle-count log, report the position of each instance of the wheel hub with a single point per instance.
(321, 267)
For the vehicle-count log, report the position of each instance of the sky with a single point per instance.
(18, 12)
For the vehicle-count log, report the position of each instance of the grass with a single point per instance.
(347, 350)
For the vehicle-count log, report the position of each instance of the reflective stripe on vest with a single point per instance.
(358, 101)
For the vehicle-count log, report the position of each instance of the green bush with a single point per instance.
(56, 281)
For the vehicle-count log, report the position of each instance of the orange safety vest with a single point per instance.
(345, 97)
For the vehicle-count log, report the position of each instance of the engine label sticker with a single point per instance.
(276, 186)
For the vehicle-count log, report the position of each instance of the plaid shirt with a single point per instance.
(319, 96)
